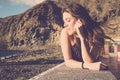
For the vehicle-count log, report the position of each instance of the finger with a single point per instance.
(103, 64)
(79, 21)
(104, 67)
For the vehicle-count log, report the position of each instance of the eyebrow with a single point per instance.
(66, 19)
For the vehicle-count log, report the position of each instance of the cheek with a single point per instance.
(73, 23)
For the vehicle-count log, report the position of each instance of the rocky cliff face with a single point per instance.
(40, 26)
(37, 28)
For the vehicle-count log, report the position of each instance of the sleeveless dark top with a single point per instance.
(76, 52)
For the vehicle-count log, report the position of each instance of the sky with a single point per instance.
(14, 7)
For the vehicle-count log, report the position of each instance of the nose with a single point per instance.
(65, 25)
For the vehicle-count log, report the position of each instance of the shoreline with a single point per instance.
(23, 71)
(29, 64)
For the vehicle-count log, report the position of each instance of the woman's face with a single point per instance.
(69, 22)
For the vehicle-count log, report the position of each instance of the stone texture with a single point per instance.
(36, 28)
(40, 26)
(64, 73)
(61, 72)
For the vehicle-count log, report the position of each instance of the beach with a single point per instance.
(29, 64)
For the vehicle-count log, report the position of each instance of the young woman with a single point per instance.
(82, 39)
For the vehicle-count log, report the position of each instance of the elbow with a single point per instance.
(88, 61)
(67, 63)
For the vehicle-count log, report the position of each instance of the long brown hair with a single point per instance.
(92, 30)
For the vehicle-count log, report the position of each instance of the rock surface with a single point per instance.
(36, 28)
(39, 27)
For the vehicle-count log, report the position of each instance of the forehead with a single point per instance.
(67, 15)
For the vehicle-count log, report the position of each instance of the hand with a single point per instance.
(96, 66)
(79, 29)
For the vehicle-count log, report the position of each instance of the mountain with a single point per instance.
(40, 26)
(34, 29)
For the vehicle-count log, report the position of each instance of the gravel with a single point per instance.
(23, 71)
(29, 64)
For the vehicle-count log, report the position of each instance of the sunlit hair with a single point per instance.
(92, 30)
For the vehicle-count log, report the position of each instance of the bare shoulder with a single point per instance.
(64, 35)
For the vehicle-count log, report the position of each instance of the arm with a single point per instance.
(85, 52)
(84, 45)
(65, 46)
(69, 62)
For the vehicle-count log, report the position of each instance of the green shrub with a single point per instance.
(109, 43)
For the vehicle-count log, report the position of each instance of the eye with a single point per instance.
(68, 20)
